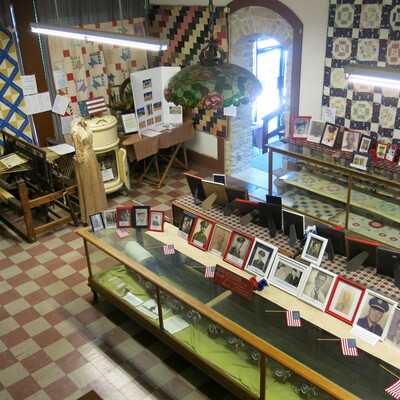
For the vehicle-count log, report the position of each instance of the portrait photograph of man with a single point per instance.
(238, 249)
(219, 240)
(393, 336)
(300, 127)
(261, 256)
(201, 233)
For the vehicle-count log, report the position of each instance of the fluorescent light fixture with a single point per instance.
(373, 75)
(92, 35)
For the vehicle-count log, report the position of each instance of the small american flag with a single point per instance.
(293, 318)
(169, 249)
(93, 106)
(209, 272)
(394, 390)
(122, 232)
(349, 347)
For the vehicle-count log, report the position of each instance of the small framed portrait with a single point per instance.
(374, 316)
(110, 218)
(317, 287)
(314, 248)
(393, 333)
(156, 220)
(345, 299)
(300, 126)
(124, 217)
(201, 232)
(381, 149)
(219, 240)
(350, 141)
(140, 216)
(287, 274)
(365, 144)
(261, 257)
(360, 160)
(330, 134)
(186, 224)
(96, 220)
(391, 152)
(315, 131)
(238, 249)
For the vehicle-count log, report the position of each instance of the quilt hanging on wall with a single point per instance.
(366, 32)
(186, 29)
(13, 117)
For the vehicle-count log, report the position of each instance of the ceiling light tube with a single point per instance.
(373, 75)
(91, 35)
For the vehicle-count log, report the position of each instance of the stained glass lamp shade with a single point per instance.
(212, 84)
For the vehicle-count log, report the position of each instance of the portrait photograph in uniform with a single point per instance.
(156, 220)
(393, 334)
(261, 258)
(96, 220)
(374, 314)
(300, 126)
(360, 160)
(219, 240)
(201, 232)
(110, 218)
(287, 274)
(317, 287)
(314, 248)
(186, 224)
(350, 141)
(140, 216)
(345, 300)
(315, 131)
(124, 217)
(238, 249)
(365, 144)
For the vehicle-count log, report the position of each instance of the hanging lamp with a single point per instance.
(212, 83)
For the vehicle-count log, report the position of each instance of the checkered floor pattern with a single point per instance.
(56, 344)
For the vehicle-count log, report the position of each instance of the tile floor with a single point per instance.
(56, 344)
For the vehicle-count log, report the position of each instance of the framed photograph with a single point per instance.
(300, 126)
(233, 193)
(287, 274)
(391, 152)
(381, 149)
(219, 178)
(386, 261)
(317, 287)
(295, 219)
(195, 186)
(156, 220)
(356, 246)
(336, 236)
(345, 299)
(110, 218)
(210, 187)
(314, 248)
(330, 134)
(140, 216)
(238, 249)
(261, 257)
(350, 141)
(129, 123)
(124, 217)
(201, 232)
(393, 333)
(96, 220)
(374, 314)
(365, 144)
(186, 224)
(315, 131)
(360, 160)
(219, 240)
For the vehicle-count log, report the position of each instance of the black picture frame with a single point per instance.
(293, 218)
(336, 236)
(386, 260)
(140, 216)
(186, 224)
(261, 257)
(97, 222)
(356, 246)
(233, 193)
(360, 160)
(195, 186)
(365, 144)
(330, 134)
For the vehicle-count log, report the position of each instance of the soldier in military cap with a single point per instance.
(300, 126)
(377, 307)
(260, 261)
(200, 235)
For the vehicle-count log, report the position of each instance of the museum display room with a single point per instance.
(154, 245)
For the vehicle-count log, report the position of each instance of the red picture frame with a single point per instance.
(201, 232)
(299, 128)
(156, 220)
(391, 152)
(350, 141)
(345, 300)
(124, 217)
(238, 249)
(381, 149)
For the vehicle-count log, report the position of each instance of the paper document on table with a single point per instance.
(150, 309)
(175, 324)
(63, 148)
(12, 160)
(365, 335)
(132, 299)
(150, 132)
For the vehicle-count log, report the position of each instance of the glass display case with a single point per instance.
(251, 352)
(321, 184)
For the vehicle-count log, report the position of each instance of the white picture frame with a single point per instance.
(393, 333)
(110, 218)
(314, 248)
(315, 131)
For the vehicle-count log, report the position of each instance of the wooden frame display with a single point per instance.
(140, 216)
(97, 222)
(315, 131)
(350, 141)
(287, 274)
(345, 300)
(261, 257)
(219, 240)
(331, 132)
(314, 248)
(201, 232)
(238, 249)
(124, 217)
(156, 220)
(300, 126)
(317, 287)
